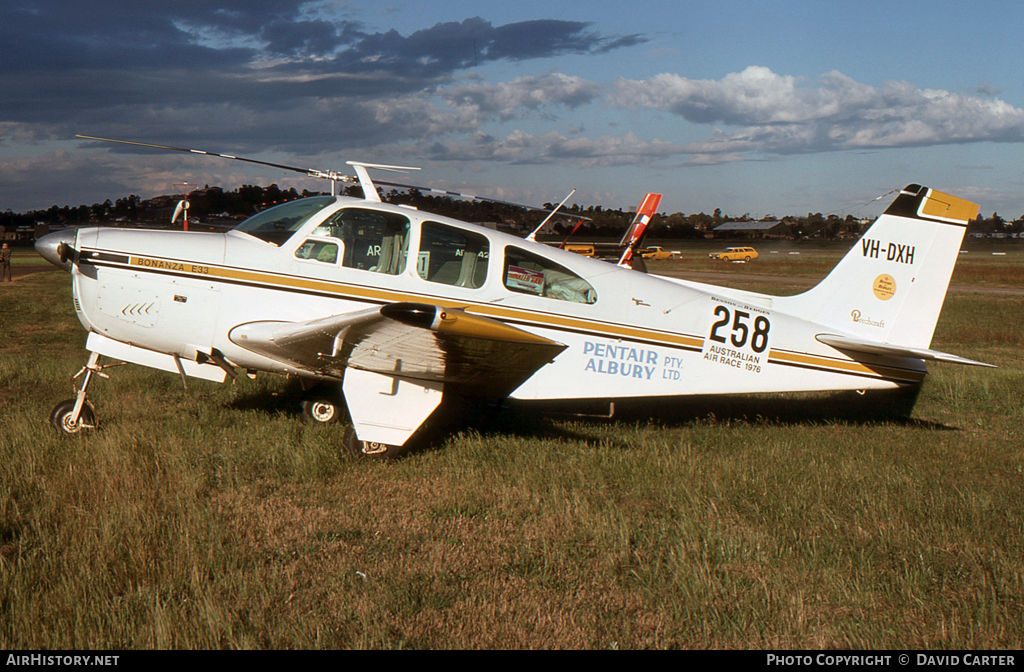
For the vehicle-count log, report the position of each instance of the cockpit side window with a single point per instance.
(452, 256)
(276, 225)
(371, 240)
(529, 273)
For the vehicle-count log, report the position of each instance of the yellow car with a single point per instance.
(656, 253)
(585, 249)
(735, 254)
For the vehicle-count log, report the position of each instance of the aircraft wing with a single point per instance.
(473, 355)
(877, 348)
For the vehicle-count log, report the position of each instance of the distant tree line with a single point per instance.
(213, 203)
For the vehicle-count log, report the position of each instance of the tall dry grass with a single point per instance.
(216, 519)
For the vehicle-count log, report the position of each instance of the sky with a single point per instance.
(758, 108)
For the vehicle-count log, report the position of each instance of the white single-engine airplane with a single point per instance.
(402, 309)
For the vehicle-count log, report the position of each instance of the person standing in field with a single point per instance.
(5, 263)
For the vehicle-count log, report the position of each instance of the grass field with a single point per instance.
(216, 519)
(26, 256)
(984, 263)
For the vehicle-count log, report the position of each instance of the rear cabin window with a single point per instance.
(371, 240)
(324, 251)
(528, 273)
(452, 256)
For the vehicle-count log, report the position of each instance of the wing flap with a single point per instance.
(877, 348)
(471, 354)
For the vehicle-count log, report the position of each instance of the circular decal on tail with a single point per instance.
(884, 287)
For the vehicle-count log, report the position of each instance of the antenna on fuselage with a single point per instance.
(533, 234)
(369, 190)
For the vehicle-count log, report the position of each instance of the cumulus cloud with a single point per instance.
(784, 115)
(520, 147)
(283, 66)
(753, 113)
(509, 100)
(310, 83)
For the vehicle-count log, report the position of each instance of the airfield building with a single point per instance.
(749, 229)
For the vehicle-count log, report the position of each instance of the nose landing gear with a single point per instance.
(73, 415)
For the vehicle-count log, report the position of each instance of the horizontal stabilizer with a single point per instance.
(876, 348)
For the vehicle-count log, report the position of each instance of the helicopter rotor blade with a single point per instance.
(471, 197)
(334, 176)
(311, 172)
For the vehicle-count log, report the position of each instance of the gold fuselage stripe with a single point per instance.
(561, 322)
(345, 290)
(859, 368)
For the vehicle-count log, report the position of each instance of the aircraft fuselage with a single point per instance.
(628, 334)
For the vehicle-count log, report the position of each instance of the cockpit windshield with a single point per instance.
(277, 224)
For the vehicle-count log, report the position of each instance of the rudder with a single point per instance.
(891, 285)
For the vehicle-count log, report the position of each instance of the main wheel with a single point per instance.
(60, 417)
(320, 411)
(371, 449)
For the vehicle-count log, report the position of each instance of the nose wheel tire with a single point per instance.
(60, 417)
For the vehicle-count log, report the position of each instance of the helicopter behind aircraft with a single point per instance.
(400, 309)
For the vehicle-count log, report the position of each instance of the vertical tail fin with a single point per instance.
(635, 234)
(891, 285)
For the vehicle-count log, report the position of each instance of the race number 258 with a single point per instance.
(739, 328)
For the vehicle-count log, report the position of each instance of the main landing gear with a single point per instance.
(321, 411)
(323, 405)
(371, 449)
(73, 415)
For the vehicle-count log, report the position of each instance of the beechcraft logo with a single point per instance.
(855, 314)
